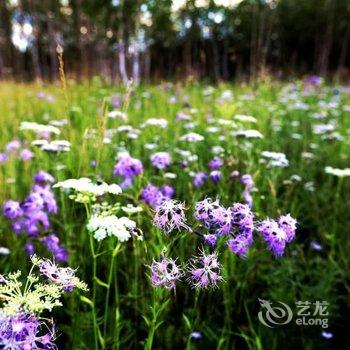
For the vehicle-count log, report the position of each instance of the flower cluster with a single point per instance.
(248, 182)
(277, 233)
(14, 148)
(127, 168)
(161, 160)
(170, 215)
(103, 226)
(86, 191)
(202, 271)
(214, 173)
(165, 273)
(213, 216)
(275, 159)
(154, 195)
(25, 331)
(31, 217)
(199, 179)
(236, 223)
(21, 326)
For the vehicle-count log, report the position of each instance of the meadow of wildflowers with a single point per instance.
(158, 217)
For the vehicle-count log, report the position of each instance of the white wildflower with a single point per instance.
(192, 137)
(337, 172)
(160, 122)
(85, 185)
(249, 134)
(39, 128)
(110, 225)
(117, 114)
(276, 159)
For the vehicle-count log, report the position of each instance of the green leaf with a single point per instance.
(187, 322)
(86, 300)
(101, 283)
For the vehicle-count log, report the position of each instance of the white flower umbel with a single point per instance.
(117, 114)
(110, 225)
(130, 209)
(192, 137)
(337, 172)
(85, 185)
(159, 122)
(39, 128)
(275, 159)
(249, 134)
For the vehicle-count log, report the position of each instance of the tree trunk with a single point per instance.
(136, 65)
(122, 62)
(344, 50)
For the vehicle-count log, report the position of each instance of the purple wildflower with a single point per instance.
(41, 95)
(274, 236)
(248, 198)
(32, 215)
(327, 335)
(241, 242)
(47, 197)
(12, 209)
(152, 195)
(52, 244)
(248, 182)
(167, 191)
(221, 221)
(42, 177)
(33, 203)
(26, 154)
(210, 239)
(127, 168)
(216, 163)
(13, 146)
(3, 158)
(215, 176)
(204, 209)
(62, 276)
(182, 116)
(25, 332)
(242, 216)
(160, 160)
(196, 335)
(213, 216)
(165, 273)
(288, 225)
(30, 249)
(170, 215)
(313, 80)
(199, 179)
(115, 100)
(316, 246)
(35, 221)
(204, 271)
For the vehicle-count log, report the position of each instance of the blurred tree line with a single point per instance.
(165, 39)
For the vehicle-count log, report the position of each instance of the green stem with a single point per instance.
(93, 309)
(110, 279)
